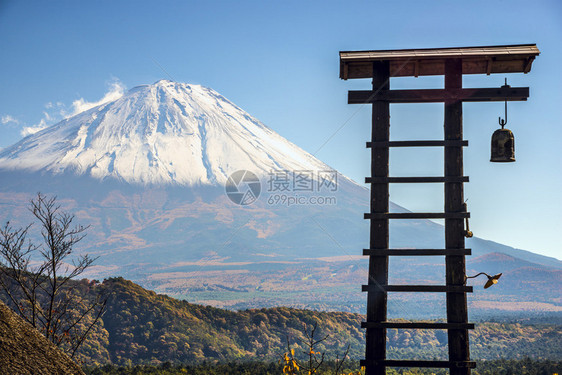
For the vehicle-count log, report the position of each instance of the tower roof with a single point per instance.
(431, 61)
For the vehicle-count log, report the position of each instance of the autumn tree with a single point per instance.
(314, 360)
(35, 275)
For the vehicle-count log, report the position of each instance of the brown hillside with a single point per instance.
(23, 350)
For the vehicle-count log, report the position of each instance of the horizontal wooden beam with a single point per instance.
(417, 288)
(417, 215)
(439, 95)
(414, 180)
(417, 143)
(417, 325)
(415, 252)
(418, 363)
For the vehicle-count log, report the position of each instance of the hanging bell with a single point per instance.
(503, 141)
(503, 146)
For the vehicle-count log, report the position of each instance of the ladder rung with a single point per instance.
(415, 252)
(417, 325)
(417, 215)
(417, 288)
(417, 143)
(418, 363)
(414, 180)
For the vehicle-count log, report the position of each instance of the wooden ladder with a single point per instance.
(454, 214)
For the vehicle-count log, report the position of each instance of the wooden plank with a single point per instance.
(420, 363)
(416, 215)
(439, 95)
(417, 144)
(375, 338)
(455, 269)
(418, 289)
(413, 180)
(417, 325)
(508, 52)
(416, 252)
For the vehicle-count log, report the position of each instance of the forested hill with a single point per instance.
(141, 326)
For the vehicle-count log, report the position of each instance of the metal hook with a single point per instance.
(501, 121)
(467, 233)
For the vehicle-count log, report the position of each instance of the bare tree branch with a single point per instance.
(41, 294)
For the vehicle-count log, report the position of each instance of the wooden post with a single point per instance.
(378, 264)
(454, 227)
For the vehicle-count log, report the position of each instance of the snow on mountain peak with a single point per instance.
(164, 133)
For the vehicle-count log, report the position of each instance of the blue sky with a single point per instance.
(278, 60)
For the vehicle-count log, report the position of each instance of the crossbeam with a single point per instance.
(415, 252)
(416, 215)
(417, 288)
(417, 144)
(417, 325)
(418, 363)
(413, 180)
(500, 94)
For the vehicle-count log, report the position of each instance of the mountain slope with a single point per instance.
(23, 350)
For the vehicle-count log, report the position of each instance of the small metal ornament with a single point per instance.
(503, 141)
(492, 280)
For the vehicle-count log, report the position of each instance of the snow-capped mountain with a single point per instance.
(164, 133)
(147, 172)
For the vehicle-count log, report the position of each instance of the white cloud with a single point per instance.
(56, 111)
(7, 118)
(28, 130)
(116, 90)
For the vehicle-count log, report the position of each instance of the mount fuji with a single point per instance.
(162, 134)
(148, 173)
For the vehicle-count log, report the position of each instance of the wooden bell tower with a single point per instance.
(452, 63)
